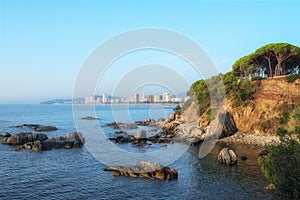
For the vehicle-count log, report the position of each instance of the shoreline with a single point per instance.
(240, 138)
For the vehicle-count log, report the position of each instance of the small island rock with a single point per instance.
(227, 156)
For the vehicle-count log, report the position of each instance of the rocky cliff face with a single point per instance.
(273, 97)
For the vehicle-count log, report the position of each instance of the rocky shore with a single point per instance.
(40, 142)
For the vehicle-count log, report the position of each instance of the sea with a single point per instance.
(78, 174)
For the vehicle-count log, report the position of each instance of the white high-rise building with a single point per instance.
(141, 97)
(156, 98)
(104, 98)
(166, 97)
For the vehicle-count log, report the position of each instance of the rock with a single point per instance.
(116, 125)
(71, 140)
(22, 138)
(5, 134)
(271, 186)
(120, 132)
(140, 134)
(36, 146)
(45, 128)
(145, 170)
(146, 122)
(229, 127)
(90, 118)
(37, 127)
(227, 156)
(244, 157)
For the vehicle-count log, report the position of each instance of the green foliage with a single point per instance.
(281, 167)
(284, 118)
(242, 92)
(292, 78)
(281, 164)
(177, 109)
(210, 114)
(281, 132)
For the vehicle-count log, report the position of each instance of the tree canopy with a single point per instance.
(273, 59)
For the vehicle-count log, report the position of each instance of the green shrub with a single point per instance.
(293, 77)
(281, 167)
(177, 109)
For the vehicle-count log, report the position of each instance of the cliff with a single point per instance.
(273, 99)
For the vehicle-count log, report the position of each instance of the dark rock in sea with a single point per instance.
(145, 170)
(120, 132)
(22, 138)
(5, 134)
(37, 127)
(71, 140)
(90, 118)
(123, 126)
(227, 156)
(244, 157)
(146, 122)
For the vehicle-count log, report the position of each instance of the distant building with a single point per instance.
(166, 97)
(150, 98)
(156, 98)
(177, 99)
(89, 100)
(104, 98)
(141, 97)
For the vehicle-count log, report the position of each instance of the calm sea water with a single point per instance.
(76, 174)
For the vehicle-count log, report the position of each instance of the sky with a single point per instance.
(43, 44)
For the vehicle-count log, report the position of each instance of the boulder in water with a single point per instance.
(227, 156)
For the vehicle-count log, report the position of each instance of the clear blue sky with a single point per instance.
(44, 43)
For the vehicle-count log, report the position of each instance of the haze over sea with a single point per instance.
(76, 174)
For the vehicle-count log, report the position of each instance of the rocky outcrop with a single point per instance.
(227, 156)
(38, 127)
(141, 138)
(90, 118)
(5, 134)
(146, 122)
(273, 97)
(40, 142)
(229, 127)
(145, 170)
(122, 126)
(22, 138)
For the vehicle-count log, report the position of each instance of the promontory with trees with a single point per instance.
(263, 98)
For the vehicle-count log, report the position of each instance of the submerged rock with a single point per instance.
(38, 127)
(90, 118)
(145, 170)
(227, 156)
(124, 126)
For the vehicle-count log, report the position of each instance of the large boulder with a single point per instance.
(71, 140)
(229, 127)
(22, 138)
(227, 156)
(145, 170)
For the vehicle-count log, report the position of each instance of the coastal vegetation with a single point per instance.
(281, 163)
(262, 95)
(271, 60)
